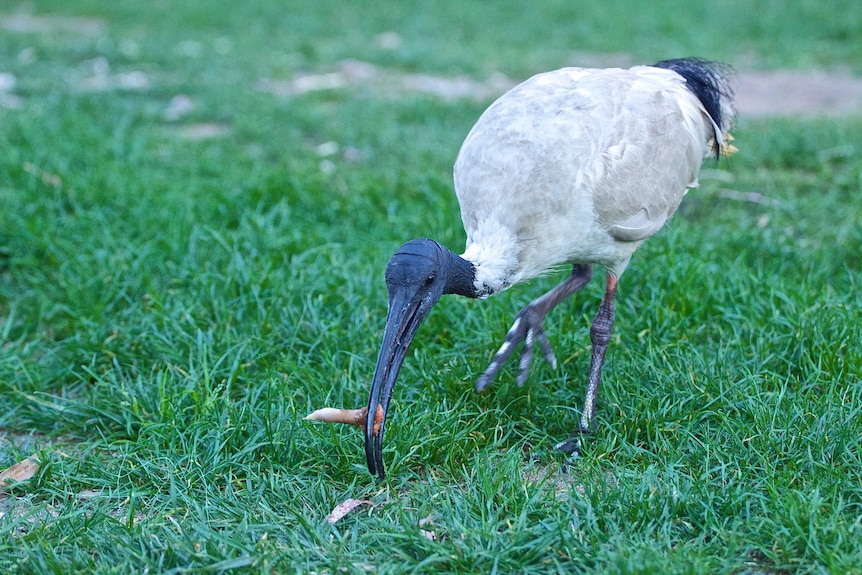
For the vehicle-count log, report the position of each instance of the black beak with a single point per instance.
(407, 309)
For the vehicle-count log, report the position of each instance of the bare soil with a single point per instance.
(787, 93)
(758, 94)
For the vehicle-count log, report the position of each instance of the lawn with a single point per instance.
(197, 202)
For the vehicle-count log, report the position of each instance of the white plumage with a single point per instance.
(576, 166)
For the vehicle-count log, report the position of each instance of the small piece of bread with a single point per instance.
(355, 417)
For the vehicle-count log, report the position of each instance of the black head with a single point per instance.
(417, 265)
(417, 275)
(429, 267)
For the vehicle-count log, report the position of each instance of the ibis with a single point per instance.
(572, 167)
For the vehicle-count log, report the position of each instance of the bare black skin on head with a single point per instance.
(419, 273)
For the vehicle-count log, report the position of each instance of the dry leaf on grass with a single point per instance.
(429, 535)
(21, 471)
(344, 508)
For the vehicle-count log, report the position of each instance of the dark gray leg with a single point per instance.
(529, 326)
(600, 337)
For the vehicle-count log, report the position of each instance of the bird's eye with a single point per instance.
(430, 280)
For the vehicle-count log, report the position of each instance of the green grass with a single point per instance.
(171, 308)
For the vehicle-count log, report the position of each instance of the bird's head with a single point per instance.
(417, 275)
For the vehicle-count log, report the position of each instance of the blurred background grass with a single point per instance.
(190, 262)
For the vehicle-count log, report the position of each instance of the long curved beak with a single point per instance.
(406, 312)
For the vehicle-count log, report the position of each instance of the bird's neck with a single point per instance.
(460, 276)
(494, 253)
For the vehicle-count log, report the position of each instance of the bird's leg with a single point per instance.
(528, 327)
(600, 337)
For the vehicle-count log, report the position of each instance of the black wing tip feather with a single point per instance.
(710, 82)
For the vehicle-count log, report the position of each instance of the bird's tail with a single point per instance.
(710, 82)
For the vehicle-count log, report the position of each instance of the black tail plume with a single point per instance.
(710, 82)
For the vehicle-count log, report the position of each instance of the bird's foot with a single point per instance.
(528, 328)
(571, 448)
(574, 444)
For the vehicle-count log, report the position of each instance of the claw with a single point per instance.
(575, 443)
(571, 446)
(546, 350)
(527, 328)
(526, 358)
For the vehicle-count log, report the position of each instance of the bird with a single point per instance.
(577, 166)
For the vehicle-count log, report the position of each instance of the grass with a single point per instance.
(172, 306)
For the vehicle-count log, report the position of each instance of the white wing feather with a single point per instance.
(599, 159)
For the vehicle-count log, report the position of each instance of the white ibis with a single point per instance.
(576, 166)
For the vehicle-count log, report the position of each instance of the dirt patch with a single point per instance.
(25, 23)
(351, 74)
(98, 77)
(788, 93)
(7, 98)
(758, 94)
(200, 131)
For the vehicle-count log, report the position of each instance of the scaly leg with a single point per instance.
(529, 326)
(600, 337)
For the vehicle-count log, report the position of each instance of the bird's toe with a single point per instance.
(574, 445)
(527, 329)
(571, 446)
(547, 350)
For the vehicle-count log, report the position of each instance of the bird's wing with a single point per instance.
(636, 227)
(657, 142)
(571, 163)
